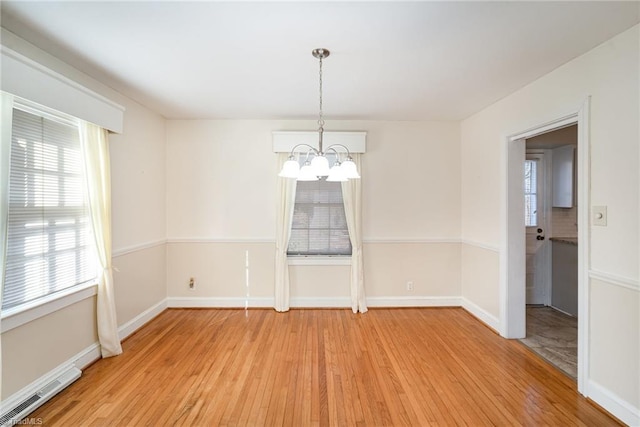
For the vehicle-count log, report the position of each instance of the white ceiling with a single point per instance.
(389, 60)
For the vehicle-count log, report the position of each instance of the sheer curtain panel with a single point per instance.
(284, 211)
(352, 195)
(95, 147)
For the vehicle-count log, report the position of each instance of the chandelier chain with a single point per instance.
(320, 118)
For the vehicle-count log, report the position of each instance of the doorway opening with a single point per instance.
(551, 223)
(513, 261)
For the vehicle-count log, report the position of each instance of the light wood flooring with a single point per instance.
(388, 367)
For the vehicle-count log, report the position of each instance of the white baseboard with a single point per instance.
(253, 302)
(619, 408)
(320, 302)
(481, 314)
(311, 302)
(137, 322)
(417, 301)
(215, 302)
(87, 356)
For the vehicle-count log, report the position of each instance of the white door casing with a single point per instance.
(513, 247)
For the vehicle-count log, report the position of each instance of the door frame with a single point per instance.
(512, 251)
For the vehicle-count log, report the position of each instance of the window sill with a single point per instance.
(19, 316)
(319, 260)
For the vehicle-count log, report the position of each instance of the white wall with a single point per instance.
(221, 189)
(609, 74)
(138, 227)
(138, 179)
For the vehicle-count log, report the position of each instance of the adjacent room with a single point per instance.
(320, 213)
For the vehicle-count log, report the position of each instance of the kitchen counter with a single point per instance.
(567, 240)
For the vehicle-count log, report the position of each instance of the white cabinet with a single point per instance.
(563, 177)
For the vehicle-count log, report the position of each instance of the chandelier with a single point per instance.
(316, 164)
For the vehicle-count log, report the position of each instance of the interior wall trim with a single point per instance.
(618, 407)
(624, 282)
(220, 240)
(374, 240)
(141, 319)
(135, 248)
(87, 356)
(481, 314)
(319, 260)
(481, 245)
(370, 240)
(320, 302)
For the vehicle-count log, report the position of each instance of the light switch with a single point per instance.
(599, 215)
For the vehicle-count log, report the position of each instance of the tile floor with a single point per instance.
(554, 336)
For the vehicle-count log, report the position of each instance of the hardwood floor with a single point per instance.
(396, 367)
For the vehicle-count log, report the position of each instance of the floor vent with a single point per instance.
(31, 403)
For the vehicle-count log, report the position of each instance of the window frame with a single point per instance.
(319, 259)
(26, 312)
(534, 160)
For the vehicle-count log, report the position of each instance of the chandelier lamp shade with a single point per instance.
(316, 164)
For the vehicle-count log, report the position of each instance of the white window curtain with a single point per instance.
(352, 196)
(5, 156)
(95, 147)
(286, 201)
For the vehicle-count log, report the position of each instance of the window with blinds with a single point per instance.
(319, 225)
(531, 193)
(50, 240)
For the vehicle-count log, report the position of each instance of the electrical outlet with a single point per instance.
(410, 286)
(192, 284)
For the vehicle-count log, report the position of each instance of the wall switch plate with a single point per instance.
(599, 215)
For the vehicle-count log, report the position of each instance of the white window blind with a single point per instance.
(319, 226)
(531, 193)
(50, 240)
